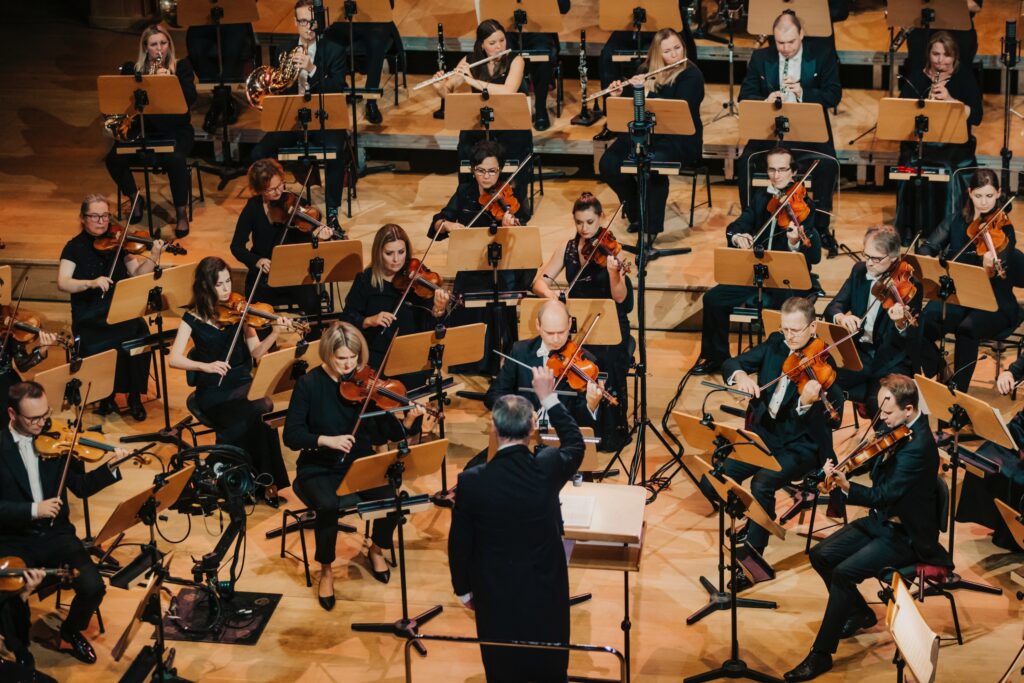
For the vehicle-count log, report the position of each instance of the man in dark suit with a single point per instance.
(719, 301)
(321, 64)
(884, 337)
(795, 70)
(505, 548)
(795, 426)
(15, 623)
(34, 520)
(901, 528)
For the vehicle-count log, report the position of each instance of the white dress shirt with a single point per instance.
(27, 449)
(790, 68)
(303, 74)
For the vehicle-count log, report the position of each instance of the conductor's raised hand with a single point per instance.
(543, 382)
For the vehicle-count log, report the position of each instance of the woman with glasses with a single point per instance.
(255, 238)
(88, 275)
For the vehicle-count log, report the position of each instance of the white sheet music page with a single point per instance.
(915, 639)
(577, 511)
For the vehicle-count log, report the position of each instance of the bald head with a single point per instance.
(788, 34)
(553, 324)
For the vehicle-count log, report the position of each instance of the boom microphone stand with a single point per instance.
(1011, 53)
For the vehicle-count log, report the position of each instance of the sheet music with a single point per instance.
(915, 639)
(577, 511)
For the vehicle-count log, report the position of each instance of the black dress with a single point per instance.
(89, 316)
(255, 238)
(237, 419)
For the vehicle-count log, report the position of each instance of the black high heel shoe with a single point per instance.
(326, 602)
(382, 576)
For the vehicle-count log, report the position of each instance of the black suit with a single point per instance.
(819, 78)
(887, 351)
(904, 486)
(799, 443)
(39, 543)
(505, 547)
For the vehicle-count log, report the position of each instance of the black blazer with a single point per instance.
(904, 486)
(16, 523)
(330, 70)
(788, 430)
(463, 207)
(889, 345)
(505, 543)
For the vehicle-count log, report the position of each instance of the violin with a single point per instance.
(860, 456)
(13, 570)
(811, 363)
(578, 371)
(307, 218)
(501, 202)
(135, 242)
(27, 326)
(426, 283)
(388, 394)
(258, 316)
(56, 443)
(602, 245)
(796, 210)
(993, 236)
(897, 287)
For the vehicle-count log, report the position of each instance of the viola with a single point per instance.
(860, 456)
(796, 210)
(811, 363)
(602, 245)
(26, 327)
(993, 238)
(578, 371)
(135, 242)
(504, 202)
(307, 218)
(56, 443)
(13, 570)
(258, 316)
(386, 393)
(897, 287)
(426, 283)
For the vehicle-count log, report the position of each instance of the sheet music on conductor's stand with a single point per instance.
(917, 642)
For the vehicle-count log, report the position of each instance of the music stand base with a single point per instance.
(442, 499)
(729, 109)
(733, 668)
(956, 582)
(592, 116)
(172, 435)
(720, 601)
(402, 628)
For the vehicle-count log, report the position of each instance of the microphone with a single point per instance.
(950, 384)
(319, 18)
(638, 104)
(1010, 45)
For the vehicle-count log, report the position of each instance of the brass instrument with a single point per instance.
(269, 81)
(127, 127)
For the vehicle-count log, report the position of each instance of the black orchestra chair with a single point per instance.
(194, 170)
(51, 585)
(196, 413)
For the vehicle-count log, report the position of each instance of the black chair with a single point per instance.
(304, 518)
(694, 172)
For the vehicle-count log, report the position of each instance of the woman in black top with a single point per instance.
(944, 78)
(255, 238)
(222, 385)
(685, 83)
(371, 302)
(319, 424)
(596, 282)
(156, 56)
(84, 273)
(971, 325)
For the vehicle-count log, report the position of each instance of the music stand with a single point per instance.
(928, 14)
(278, 371)
(792, 121)
(374, 471)
(916, 644)
(638, 16)
(67, 380)
(5, 285)
(814, 16)
(315, 263)
(142, 96)
(988, 424)
(843, 353)
(165, 289)
(470, 111)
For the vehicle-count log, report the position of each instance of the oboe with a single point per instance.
(442, 64)
(586, 116)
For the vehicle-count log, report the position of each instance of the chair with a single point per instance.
(303, 519)
(193, 168)
(198, 418)
(694, 172)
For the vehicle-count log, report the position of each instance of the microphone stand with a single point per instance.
(1011, 49)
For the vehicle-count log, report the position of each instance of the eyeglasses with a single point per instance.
(776, 171)
(792, 333)
(875, 260)
(38, 418)
(304, 22)
(274, 190)
(98, 217)
(486, 171)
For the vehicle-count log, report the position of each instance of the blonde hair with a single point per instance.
(388, 233)
(655, 62)
(142, 61)
(342, 334)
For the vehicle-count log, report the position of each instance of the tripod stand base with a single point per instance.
(587, 118)
(442, 499)
(956, 582)
(733, 668)
(729, 109)
(719, 601)
(652, 254)
(171, 435)
(403, 628)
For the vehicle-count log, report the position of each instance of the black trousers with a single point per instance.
(237, 45)
(718, 303)
(373, 38)
(856, 552)
(541, 73)
(935, 201)
(625, 186)
(969, 326)
(62, 548)
(334, 169)
(176, 165)
(823, 180)
(131, 373)
(15, 622)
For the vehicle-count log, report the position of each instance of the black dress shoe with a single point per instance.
(634, 227)
(137, 214)
(705, 366)
(327, 603)
(742, 583)
(605, 135)
(106, 406)
(136, 409)
(858, 621)
(373, 114)
(814, 664)
(383, 576)
(541, 122)
(79, 647)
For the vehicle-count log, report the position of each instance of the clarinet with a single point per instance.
(442, 64)
(586, 116)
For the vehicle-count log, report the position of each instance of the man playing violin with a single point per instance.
(794, 424)
(34, 518)
(884, 332)
(741, 234)
(15, 623)
(900, 529)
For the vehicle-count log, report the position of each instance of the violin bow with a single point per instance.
(983, 230)
(809, 359)
(120, 242)
(372, 384)
(785, 200)
(71, 448)
(590, 258)
(497, 193)
(415, 275)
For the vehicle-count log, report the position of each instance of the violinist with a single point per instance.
(796, 425)
(320, 424)
(222, 383)
(900, 529)
(257, 233)
(15, 356)
(371, 302)
(486, 163)
(781, 234)
(595, 282)
(970, 325)
(156, 57)
(683, 83)
(885, 332)
(34, 520)
(15, 623)
(85, 273)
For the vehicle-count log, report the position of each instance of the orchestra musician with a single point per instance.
(15, 358)
(684, 83)
(740, 234)
(966, 40)
(156, 57)
(970, 325)
(885, 338)
(320, 424)
(256, 235)
(595, 282)
(321, 65)
(505, 551)
(15, 623)
(222, 383)
(795, 70)
(85, 273)
(943, 78)
(486, 162)
(900, 529)
(34, 520)
(541, 72)
(794, 425)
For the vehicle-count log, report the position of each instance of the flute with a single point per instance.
(449, 74)
(647, 75)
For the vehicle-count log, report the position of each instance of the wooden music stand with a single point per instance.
(291, 264)
(538, 16)
(412, 352)
(844, 354)
(470, 111)
(1012, 521)
(814, 16)
(96, 370)
(281, 112)
(782, 269)
(916, 644)
(278, 371)
(126, 514)
(618, 16)
(671, 117)
(520, 248)
(375, 11)
(947, 121)
(197, 12)
(162, 95)
(946, 14)
(152, 591)
(6, 275)
(584, 311)
(792, 122)
(972, 284)
(704, 437)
